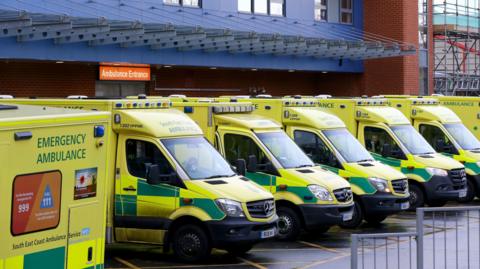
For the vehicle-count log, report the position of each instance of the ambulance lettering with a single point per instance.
(52, 142)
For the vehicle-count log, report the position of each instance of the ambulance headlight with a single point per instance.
(437, 172)
(320, 192)
(230, 208)
(379, 184)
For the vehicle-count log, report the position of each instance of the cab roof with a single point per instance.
(248, 121)
(387, 115)
(313, 117)
(155, 123)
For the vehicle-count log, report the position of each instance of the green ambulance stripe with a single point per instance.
(146, 189)
(262, 179)
(54, 258)
(421, 172)
(363, 184)
(125, 205)
(473, 166)
(206, 205)
(301, 192)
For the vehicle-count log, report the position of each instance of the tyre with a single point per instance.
(191, 244)
(357, 217)
(239, 250)
(471, 192)
(375, 219)
(437, 203)
(289, 224)
(417, 197)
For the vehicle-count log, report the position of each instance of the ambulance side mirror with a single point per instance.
(154, 177)
(252, 164)
(241, 166)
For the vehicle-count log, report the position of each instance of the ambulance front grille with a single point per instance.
(343, 195)
(400, 185)
(261, 209)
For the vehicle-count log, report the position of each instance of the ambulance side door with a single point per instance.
(141, 206)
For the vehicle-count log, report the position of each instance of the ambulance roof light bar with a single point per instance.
(219, 109)
(177, 96)
(421, 101)
(143, 104)
(371, 102)
(77, 97)
(6, 96)
(323, 96)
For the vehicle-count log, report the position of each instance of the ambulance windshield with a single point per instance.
(412, 140)
(465, 139)
(285, 150)
(348, 147)
(198, 158)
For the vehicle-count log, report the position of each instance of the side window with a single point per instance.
(141, 155)
(314, 147)
(436, 137)
(240, 147)
(376, 138)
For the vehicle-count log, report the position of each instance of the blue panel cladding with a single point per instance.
(214, 14)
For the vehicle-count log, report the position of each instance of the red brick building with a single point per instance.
(71, 72)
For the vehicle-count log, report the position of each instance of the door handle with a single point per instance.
(130, 188)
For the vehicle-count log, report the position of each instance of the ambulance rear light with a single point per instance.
(6, 97)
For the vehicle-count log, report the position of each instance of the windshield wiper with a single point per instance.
(365, 160)
(304, 165)
(219, 176)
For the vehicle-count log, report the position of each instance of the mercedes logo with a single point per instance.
(268, 207)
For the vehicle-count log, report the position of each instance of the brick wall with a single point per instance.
(24, 79)
(397, 20)
(279, 83)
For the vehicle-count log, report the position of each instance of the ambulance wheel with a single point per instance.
(470, 193)
(239, 250)
(191, 243)
(357, 217)
(289, 225)
(375, 219)
(417, 197)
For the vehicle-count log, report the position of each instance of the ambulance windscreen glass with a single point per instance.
(285, 150)
(349, 147)
(198, 158)
(465, 139)
(412, 140)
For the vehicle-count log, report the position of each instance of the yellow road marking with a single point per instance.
(320, 247)
(128, 264)
(324, 261)
(254, 264)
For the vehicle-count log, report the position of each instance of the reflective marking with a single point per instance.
(254, 264)
(128, 264)
(320, 247)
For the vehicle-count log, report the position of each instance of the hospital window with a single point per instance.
(186, 3)
(321, 7)
(346, 11)
(265, 7)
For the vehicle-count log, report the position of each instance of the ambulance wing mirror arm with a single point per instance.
(154, 177)
(241, 167)
(252, 164)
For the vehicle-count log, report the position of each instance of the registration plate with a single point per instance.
(347, 216)
(267, 233)
(405, 205)
(462, 193)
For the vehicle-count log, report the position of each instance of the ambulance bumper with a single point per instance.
(325, 215)
(240, 231)
(383, 204)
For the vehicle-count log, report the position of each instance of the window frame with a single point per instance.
(342, 10)
(269, 9)
(322, 7)
(320, 139)
(181, 4)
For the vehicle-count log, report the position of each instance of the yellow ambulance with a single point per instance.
(307, 196)
(467, 108)
(53, 174)
(434, 178)
(169, 186)
(379, 190)
(445, 132)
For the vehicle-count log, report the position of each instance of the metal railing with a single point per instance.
(444, 238)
